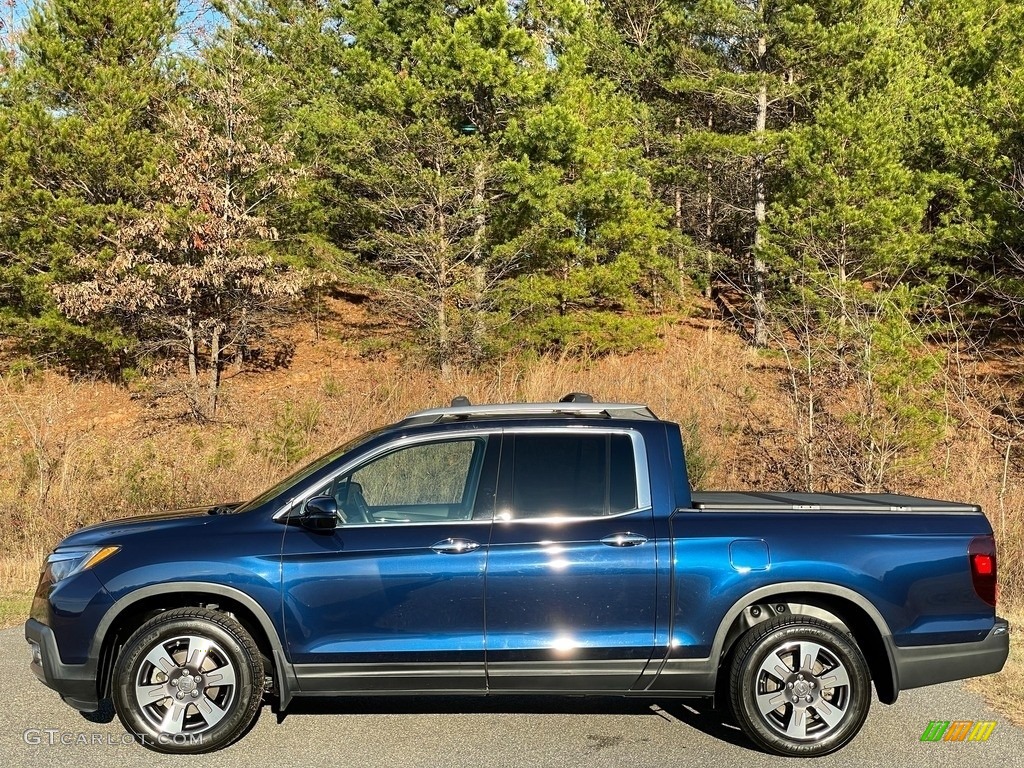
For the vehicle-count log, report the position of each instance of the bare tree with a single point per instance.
(430, 201)
(862, 380)
(196, 270)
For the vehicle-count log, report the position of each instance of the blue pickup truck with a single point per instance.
(546, 548)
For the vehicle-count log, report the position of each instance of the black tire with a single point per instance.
(165, 682)
(821, 707)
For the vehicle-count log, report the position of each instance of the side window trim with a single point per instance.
(643, 477)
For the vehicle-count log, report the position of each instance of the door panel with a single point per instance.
(395, 606)
(370, 605)
(571, 578)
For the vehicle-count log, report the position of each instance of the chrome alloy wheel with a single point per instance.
(803, 690)
(799, 686)
(185, 684)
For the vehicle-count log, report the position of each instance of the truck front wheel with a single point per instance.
(799, 687)
(189, 680)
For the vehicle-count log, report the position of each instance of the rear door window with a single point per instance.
(571, 475)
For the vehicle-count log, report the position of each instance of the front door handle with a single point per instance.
(624, 540)
(455, 546)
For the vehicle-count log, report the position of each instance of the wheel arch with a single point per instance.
(132, 610)
(831, 602)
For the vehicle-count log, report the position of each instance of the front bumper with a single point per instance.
(917, 666)
(76, 683)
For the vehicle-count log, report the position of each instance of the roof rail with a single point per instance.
(577, 397)
(581, 409)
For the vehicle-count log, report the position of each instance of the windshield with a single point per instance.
(308, 470)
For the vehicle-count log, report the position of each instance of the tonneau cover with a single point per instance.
(735, 501)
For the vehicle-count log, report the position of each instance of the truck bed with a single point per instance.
(737, 501)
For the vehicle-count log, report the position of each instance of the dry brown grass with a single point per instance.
(78, 452)
(1005, 691)
(18, 575)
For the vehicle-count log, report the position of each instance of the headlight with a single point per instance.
(66, 562)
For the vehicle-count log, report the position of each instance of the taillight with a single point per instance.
(982, 555)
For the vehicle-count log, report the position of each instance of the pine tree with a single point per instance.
(79, 145)
(864, 218)
(975, 51)
(419, 120)
(576, 219)
(398, 108)
(723, 83)
(583, 216)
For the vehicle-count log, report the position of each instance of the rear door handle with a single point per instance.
(455, 546)
(624, 540)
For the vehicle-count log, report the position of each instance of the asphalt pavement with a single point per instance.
(37, 729)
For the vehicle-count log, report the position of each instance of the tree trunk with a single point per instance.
(709, 226)
(214, 387)
(844, 311)
(760, 269)
(444, 339)
(193, 349)
(242, 336)
(444, 343)
(677, 216)
(192, 393)
(811, 432)
(479, 268)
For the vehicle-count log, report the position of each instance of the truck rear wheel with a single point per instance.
(799, 687)
(189, 680)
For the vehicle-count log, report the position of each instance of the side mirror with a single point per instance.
(320, 514)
